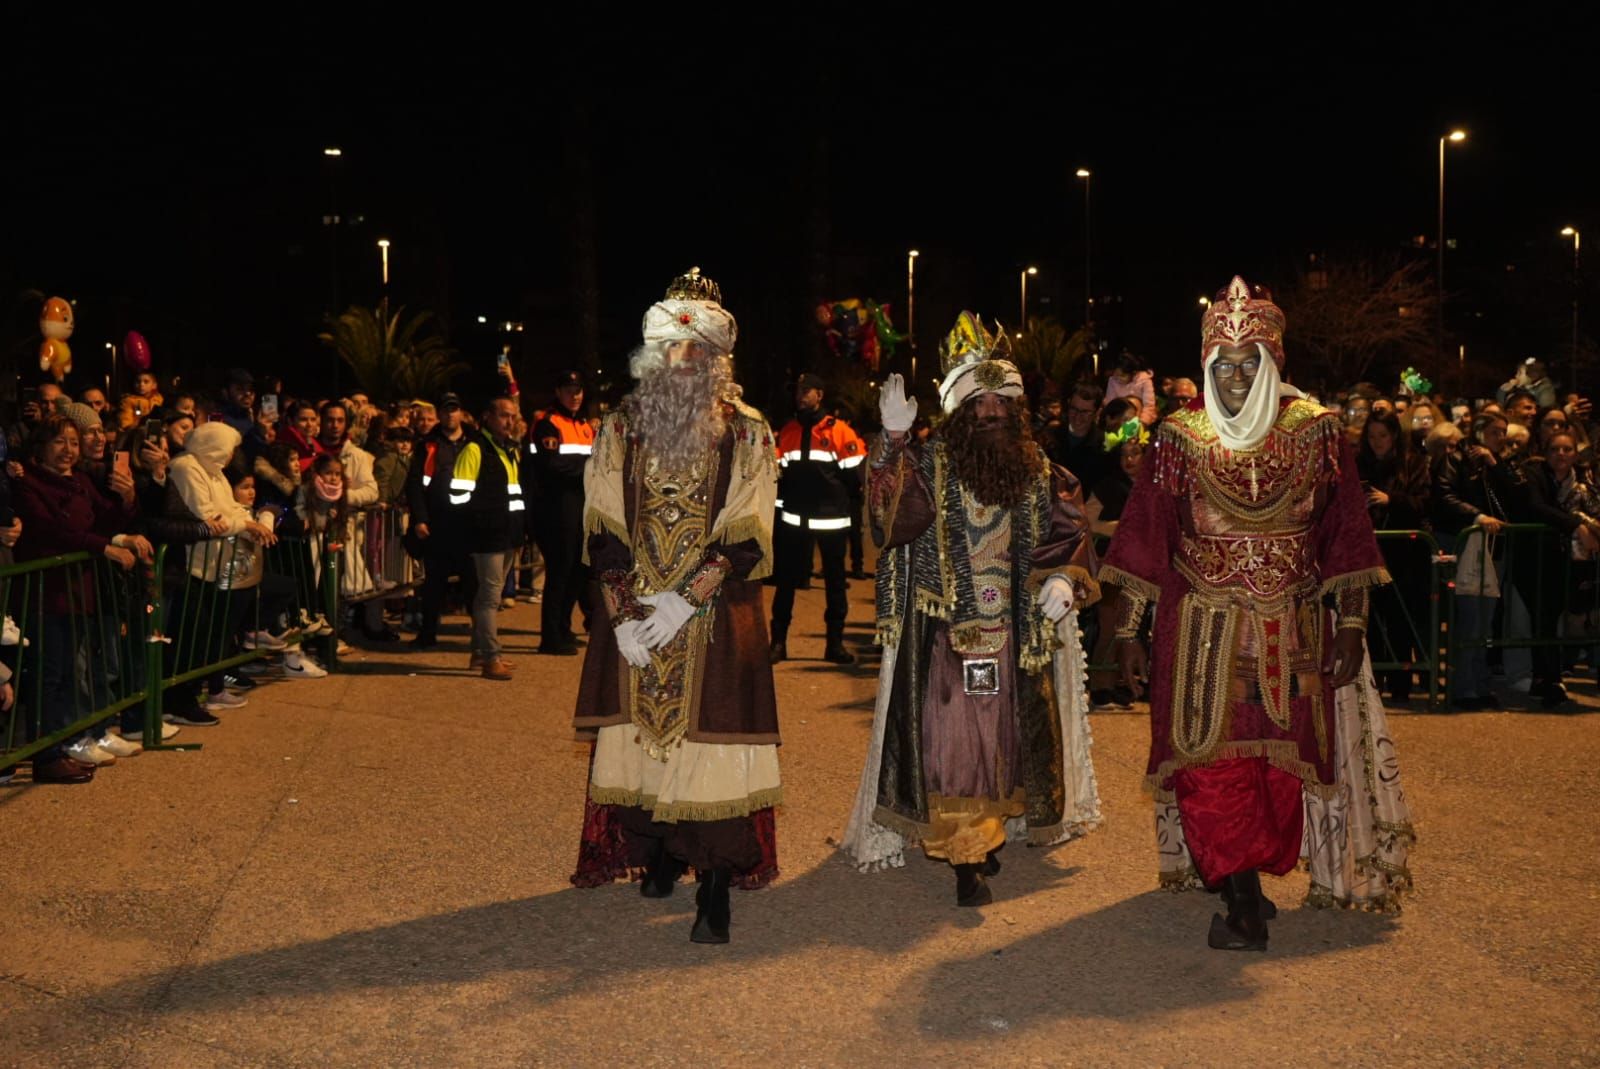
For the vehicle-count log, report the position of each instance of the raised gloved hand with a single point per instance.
(672, 612)
(897, 411)
(1055, 598)
(633, 651)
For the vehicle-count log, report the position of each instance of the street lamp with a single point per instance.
(1022, 319)
(1205, 302)
(911, 311)
(383, 252)
(1088, 261)
(333, 150)
(1572, 232)
(1454, 137)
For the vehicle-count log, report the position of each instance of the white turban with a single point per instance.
(979, 376)
(680, 320)
(1255, 419)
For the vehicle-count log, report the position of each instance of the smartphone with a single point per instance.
(269, 406)
(123, 462)
(154, 430)
(502, 362)
(30, 396)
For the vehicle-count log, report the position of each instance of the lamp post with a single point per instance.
(1022, 317)
(911, 312)
(334, 157)
(1456, 137)
(1088, 247)
(383, 254)
(1572, 232)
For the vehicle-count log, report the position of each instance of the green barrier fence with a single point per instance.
(88, 642)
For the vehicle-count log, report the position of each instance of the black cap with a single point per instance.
(569, 378)
(449, 400)
(238, 376)
(810, 381)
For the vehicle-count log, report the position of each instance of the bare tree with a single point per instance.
(1348, 318)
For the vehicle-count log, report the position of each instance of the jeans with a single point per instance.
(1474, 618)
(491, 569)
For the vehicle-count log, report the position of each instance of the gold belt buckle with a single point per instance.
(981, 675)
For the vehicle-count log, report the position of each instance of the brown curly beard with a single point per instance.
(997, 459)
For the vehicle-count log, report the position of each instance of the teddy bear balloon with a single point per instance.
(55, 323)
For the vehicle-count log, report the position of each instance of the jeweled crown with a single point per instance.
(694, 287)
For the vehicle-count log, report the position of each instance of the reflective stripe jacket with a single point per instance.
(486, 485)
(560, 445)
(819, 473)
(428, 484)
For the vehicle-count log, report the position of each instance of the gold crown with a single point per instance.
(694, 287)
(969, 342)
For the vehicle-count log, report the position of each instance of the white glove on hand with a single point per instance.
(897, 411)
(1055, 598)
(633, 651)
(672, 612)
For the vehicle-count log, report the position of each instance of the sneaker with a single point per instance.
(6, 774)
(263, 640)
(196, 717)
(118, 746)
(306, 669)
(168, 728)
(255, 668)
(1100, 699)
(86, 751)
(343, 648)
(224, 700)
(508, 603)
(238, 682)
(1121, 697)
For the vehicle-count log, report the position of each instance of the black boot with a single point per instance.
(779, 651)
(712, 909)
(662, 875)
(971, 888)
(835, 652)
(1244, 928)
(1269, 908)
(991, 867)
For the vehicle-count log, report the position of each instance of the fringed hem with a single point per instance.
(1110, 573)
(1366, 577)
(675, 812)
(883, 864)
(1185, 879)
(1281, 755)
(748, 529)
(597, 522)
(1064, 832)
(601, 877)
(888, 633)
(1322, 897)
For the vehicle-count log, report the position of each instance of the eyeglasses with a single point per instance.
(1244, 367)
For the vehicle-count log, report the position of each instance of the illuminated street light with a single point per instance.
(332, 150)
(1088, 249)
(911, 312)
(1205, 302)
(383, 251)
(483, 319)
(1022, 319)
(1577, 238)
(1454, 137)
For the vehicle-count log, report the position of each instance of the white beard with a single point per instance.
(679, 416)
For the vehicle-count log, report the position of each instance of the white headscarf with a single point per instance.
(1255, 418)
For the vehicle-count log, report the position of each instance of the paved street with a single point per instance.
(371, 870)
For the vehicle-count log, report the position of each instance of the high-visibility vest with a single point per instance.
(575, 437)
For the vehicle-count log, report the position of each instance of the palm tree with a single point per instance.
(1046, 348)
(393, 356)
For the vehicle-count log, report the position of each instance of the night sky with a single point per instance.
(172, 178)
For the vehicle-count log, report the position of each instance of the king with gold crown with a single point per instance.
(1248, 533)
(981, 732)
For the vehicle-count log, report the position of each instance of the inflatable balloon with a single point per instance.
(56, 358)
(136, 351)
(55, 322)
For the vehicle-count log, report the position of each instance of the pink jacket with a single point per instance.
(1141, 389)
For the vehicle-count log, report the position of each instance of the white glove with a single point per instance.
(897, 411)
(1055, 598)
(672, 612)
(633, 651)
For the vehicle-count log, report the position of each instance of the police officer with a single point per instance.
(560, 445)
(819, 460)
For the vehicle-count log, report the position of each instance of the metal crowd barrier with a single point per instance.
(377, 564)
(1529, 569)
(87, 641)
(1402, 635)
(77, 652)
